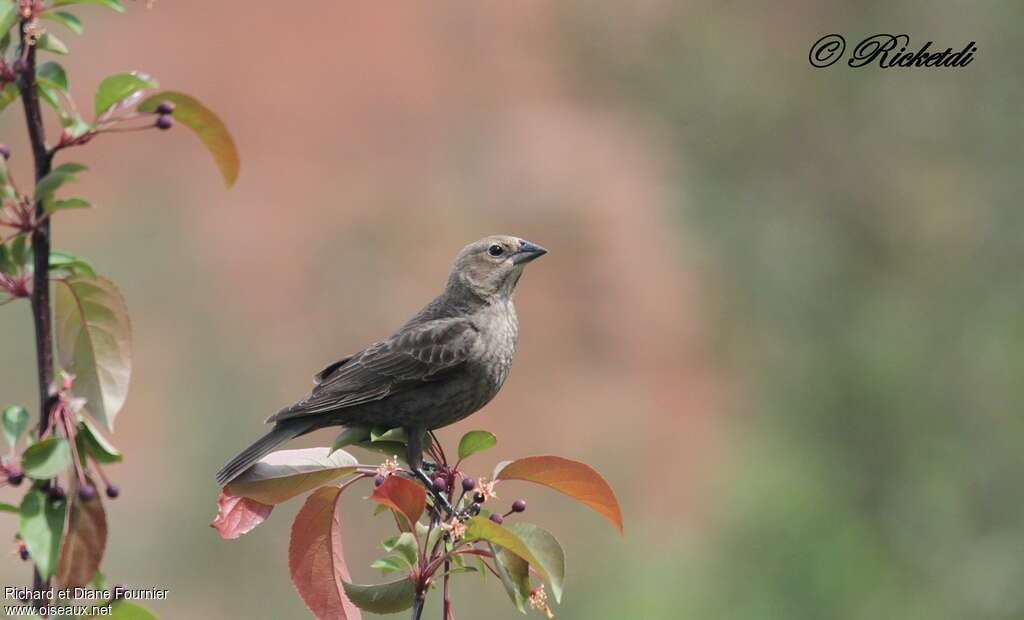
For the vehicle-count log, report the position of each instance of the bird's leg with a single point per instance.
(414, 456)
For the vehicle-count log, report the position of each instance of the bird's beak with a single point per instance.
(527, 252)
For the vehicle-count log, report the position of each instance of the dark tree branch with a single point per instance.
(41, 314)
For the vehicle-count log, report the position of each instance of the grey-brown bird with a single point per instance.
(444, 364)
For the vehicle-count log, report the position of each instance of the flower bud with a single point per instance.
(379, 480)
(519, 505)
(164, 121)
(23, 552)
(113, 491)
(5, 151)
(496, 518)
(14, 478)
(165, 107)
(440, 485)
(87, 492)
(468, 484)
(478, 498)
(56, 492)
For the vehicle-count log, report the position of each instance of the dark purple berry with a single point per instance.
(20, 65)
(56, 492)
(164, 121)
(113, 491)
(440, 485)
(14, 478)
(519, 505)
(478, 497)
(23, 552)
(165, 107)
(496, 518)
(87, 492)
(379, 480)
(5, 151)
(468, 484)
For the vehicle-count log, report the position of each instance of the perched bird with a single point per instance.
(444, 364)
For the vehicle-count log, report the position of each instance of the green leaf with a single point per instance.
(8, 95)
(19, 250)
(386, 598)
(41, 524)
(8, 15)
(113, 4)
(389, 564)
(127, 610)
(15, 422)
(577, 480)
(349, 436)
(514, 573)
(282, 475)
(70, 263)
(51, 43)
(476, 441)
(69, 20)
(6, 263)
(545, 547)
(46, 458)
(118, 86)
(92, 441)
(67, 203)
(207, 125)
(49, 95)
(64, 173)
(382, 433)
(481, 528)
(406, 548)
(53, 75)
(94, 343)
(429, 539)
(5, 507)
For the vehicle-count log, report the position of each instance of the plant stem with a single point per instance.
(41, 314)
(417, 603)
(447, 595)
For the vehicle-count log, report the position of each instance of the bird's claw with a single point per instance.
(439, 498)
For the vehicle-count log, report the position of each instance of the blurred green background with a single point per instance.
(781, 313)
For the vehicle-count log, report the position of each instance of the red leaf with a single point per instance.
(315, 557)
(403, 496)
(85, 539)
(238, 515)
(577, 480)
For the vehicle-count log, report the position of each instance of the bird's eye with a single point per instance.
(495, 250)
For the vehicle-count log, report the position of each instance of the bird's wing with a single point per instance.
(423, 353)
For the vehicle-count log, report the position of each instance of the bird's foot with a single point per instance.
(439, 498)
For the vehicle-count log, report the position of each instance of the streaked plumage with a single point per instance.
(444, 364)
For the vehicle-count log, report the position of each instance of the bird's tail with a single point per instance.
(281, 433)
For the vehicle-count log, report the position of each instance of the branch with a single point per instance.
(41, 313)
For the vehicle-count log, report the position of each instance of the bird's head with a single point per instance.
(491, 267)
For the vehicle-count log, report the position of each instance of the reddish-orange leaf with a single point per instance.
(315, 558)
(403, 496)
(85, 539)
(577, 480)
(238, 515)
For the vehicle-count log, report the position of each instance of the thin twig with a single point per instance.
(41, 314)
